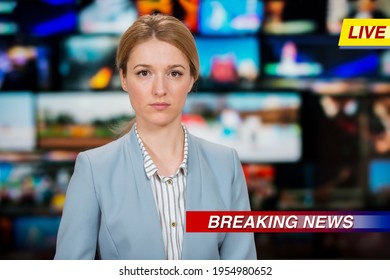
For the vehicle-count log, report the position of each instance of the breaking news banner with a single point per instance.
(365, 33)
(205, 222)
(287, 221)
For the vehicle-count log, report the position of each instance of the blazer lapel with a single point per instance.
(193, 195)
(201, 196)
(194, 177)
(146, 207)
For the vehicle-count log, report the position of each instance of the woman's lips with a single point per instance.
(160, 106)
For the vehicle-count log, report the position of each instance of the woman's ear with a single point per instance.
(191, 85)
(123, 79)
(194, 86)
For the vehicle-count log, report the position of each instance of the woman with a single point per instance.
(127, 199)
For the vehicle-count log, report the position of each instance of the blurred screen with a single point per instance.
(379, 183)
(35, 233)
(228, 61)
(88, 63)
(29, 184)
(46, 17)
(17, 121)
(337, 116)
(385, 64)
(218, 17)
(294, 17)
(379, 125)
(260, 180)
(262, 126)
(24, 66)
(106, 17)
(184, 10)
(379, 175)
(80, 120)
(333, 147)
(8, 24)
(337, 10)
(313, 56)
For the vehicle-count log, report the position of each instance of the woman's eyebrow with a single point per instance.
(142, 65)
(168, 67)
(175, 65)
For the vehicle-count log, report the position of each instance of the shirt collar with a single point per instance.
(150, 167)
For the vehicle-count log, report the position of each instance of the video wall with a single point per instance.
(310, 122)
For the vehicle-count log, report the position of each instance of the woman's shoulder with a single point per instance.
(211, 149)
(109, 150)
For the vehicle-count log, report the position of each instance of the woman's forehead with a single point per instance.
(154, 51)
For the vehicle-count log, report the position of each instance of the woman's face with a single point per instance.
(158, 79)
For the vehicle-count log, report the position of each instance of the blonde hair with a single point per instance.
(164, 28)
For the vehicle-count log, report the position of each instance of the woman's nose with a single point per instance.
(159, 87)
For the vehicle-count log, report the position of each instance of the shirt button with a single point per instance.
(169, 182)
(173, 224)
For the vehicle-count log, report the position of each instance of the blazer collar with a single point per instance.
(193, 194)
(194, 169)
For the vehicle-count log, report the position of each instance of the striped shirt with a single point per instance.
(169, 195)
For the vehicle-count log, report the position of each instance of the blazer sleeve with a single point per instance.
(239, 246)
(79, 226)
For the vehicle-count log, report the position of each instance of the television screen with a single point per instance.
(185, 10)
(337, 10)
(21, 183)
(218, 17)
(333, 149)
(385, 64)
(36, 232)
(261, 126)
(17, 121)
(228, 61)
(106, 17)
(294, 17)
(88, 63)
(379, 125)
(46, 18)
(8, 24)
(379, 175)
(379, 183)
(24, 66)
(318, 56)
(260, 180)
(74, 120)
(33, 184)
(338, 116)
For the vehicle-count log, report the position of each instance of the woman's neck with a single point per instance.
(165, 145)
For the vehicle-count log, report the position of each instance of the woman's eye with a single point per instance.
(176, 74)
(143, 73)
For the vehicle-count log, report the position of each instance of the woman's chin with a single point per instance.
(161, 121)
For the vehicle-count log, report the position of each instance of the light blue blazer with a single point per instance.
(110, 208)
